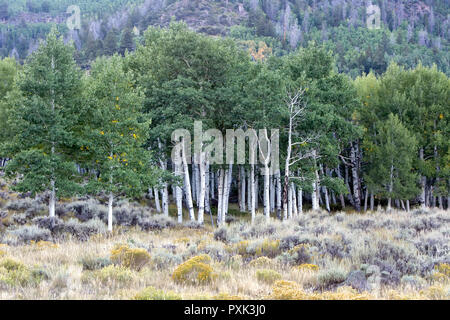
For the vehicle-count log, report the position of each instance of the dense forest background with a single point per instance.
(411, 31)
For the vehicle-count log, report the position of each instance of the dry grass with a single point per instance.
(235, 276)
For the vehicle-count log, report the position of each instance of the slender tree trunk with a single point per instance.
(423, 182)
(249, 191)
(266, 196)
(278, 187)
(201, 203)
(256, 189)
(325, 191)
(150, 193)
(289, 204)
(187, 184)
(366, 199)
(242, 188)
(391, 185)
(110, 212)
(229, 180)
(212, 185)
(294, 200)
(341, 196)
(157, 204)
(300, 200)
(220, 187)
(253, 192)
(355, 177)
(179, 194)
(272, 193)
(407, 206)
(52, 200)
(372, 202)
(207, 189)
(349, 195)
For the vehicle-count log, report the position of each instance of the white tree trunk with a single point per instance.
(289, 204)
(227, 185)
(249, 191)
(187, 184)
(201, 203)
(212, 184)
(294, 200)
(220, 189)
(272, 193)
(253, 192)
(278, 187)
(110, 212)
(300, 200)
(157, 204)
(207, 189)
(242, 189)
(179, 194)
(266, 196)
(52, 200)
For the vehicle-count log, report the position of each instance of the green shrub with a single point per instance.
(152, 293)
(267, 275)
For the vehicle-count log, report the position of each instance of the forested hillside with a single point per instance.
(411, 31)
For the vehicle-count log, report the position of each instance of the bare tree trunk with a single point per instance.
(179, 194)
(207, 188)
(355, 177)
(278, 187)
(341, 196)
(253, 192)
(294, 200)
(157, 204)
(289, 204)
(242, 188)
(372, 202)
(366, 199)
(220, 188)
(229, 179)
(150, 193)
(110, 212)
(212, 182)
(325, 191)
(249, 191)
(187, 184)
(256, 189)
(272, 193)
(266, 196)
(201, 203)
(349, 195)
(52, 200)
(391, 185)
(300, 200)
(423, 182)
(407, 206)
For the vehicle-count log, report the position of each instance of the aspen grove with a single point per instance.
(344, 144)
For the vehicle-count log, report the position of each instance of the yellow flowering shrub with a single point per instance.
(307, 267)
(129, 257)
(43, 244)
(195, 270)
(151, 293)
(289, 290)
(2, 253)
(443, 268)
